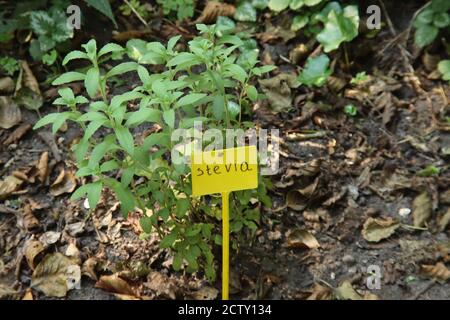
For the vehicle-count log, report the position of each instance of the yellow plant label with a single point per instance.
(226, 170)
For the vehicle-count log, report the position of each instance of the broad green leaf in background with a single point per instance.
(299, 22)
(104, 7)
(444, 69)
(425, 34)
(316, 71)
(278, 5)
(296, 4)
(340, 27)
(245, 12)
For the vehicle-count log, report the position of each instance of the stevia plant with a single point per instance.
(203, 84)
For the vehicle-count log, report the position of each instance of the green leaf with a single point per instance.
(109, 166)
(110, 47)
(429, 171)
(340, 27)
(183, 58)
(50, 118)
(66, 94)
(296, 4)
(125, 139)
(68, 77)
(80, 192)
(143, 115)
(169, 239)
(94, 192)
(441, 20)
(122, 68)
(136, 48)
(425, 35)
(125, 197)
(299, 22)
(190, 99)
(245, 12)
(182, 207)
(60, 121)
(99, 151)
(350, 110)
(91, 82)
(311, 3)
(74, 55)
(169, 117)
(316, 71)
(104, 7)
(146, 224)
(444, 69)
(252, 93)
(233, 108)
(237, 72)
(440, 5)
(278, 5)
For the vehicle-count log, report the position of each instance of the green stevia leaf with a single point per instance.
(94, 192)
(172, 42)
(136, 48)
(104, 7)
(190, 99)
(74, 55)
(67, 94)
(109, 48)
(278, 5)
(296, 4)
(84, 171)
(316, 71)
(125, 197)
(441, 19)
(252, 93)
(218, 107)
(237, 72)
(127, 176)
(299, 22)
(125, 139)
(233, 108)
(340, 27)
(143, 115)
(444, 69)
(63, 116)
(68, 77)
(80, 192)
(146, 224)
(311, 3)
(99, 151)
(183, 58)
(164, 214)
(177, 261)
(264, 69)
(151, 58)
(260, 4)
(245, 12)
(50, 118)
(80, 150)
(93, 116)
(425, 35)
(109, 166)
(91, 82)
(182, 207)
(92, 128)
(169, 239)
(122, 68)
(91, 49)
(169, 117)
(81, 100)
(159, 139)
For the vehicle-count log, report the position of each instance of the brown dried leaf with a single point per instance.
(10, 114)
(8, 186)
(29, 80)
(7, 85)
(278, 91)
(296, 201)
(376, 229)
(28, 220)
(346, 292)
(64, 183)
(28, 295)
(114, 283)
(32, 249)
(422, 207)
(213, 10)
(299, 238)
(205, 293)
(437, 271)
(50, 237)
(321, 293)
(162, 285)
(55, 275)
(42, 167)
(444, 221)
(17, 134)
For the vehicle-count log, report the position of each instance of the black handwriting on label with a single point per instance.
(215, 169)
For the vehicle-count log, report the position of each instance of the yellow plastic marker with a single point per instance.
(224, 171)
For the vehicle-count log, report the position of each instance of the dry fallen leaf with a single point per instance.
(28, 295)
(162, 285)
(29, 80)
(346, 292)
(27, 220)
(8, 186)
(376, 229)
(278, 91)
(10, 114)
(49, 238)
(302, 239)
(205, 293)
(17, 134)
(213, 10)
(64, 183)
(320, 292)
(55, 275)
(32, 249)
(437, 271)
(6, 85)
(422, 207)
(114, 283)
(42, 167)
(444, 221)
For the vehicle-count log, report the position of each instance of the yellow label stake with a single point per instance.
(223, 171)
